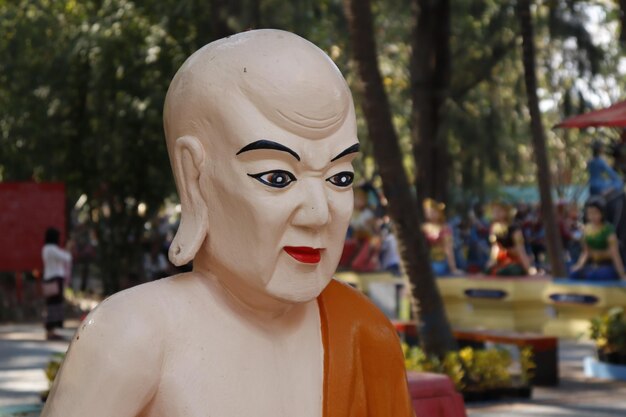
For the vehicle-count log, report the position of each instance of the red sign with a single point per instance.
(27, 209)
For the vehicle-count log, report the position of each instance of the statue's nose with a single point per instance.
(313, 210)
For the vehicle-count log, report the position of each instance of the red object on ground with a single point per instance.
(433, 395)
(405, 327)
(613, 116)
(27, 209)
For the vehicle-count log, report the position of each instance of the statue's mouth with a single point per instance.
(304, 254)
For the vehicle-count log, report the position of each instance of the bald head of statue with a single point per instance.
(286, 78)
(261, 133)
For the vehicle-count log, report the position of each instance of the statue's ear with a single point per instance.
(188, 164)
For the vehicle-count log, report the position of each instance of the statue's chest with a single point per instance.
(234, 375)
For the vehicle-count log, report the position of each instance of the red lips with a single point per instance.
(304, 254)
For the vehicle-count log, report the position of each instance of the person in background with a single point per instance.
(364, 228)
(602, 178)
(569, 231)
(508, 253)
(575, 226)
(389, 255)
(458, 227)
(56, 271)
(83, 254)
(439, 238)
(523, 220)
(536, 238)
(600, 259)
(618, 152)
(478, 247)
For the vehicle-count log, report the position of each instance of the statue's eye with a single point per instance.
(343, 179)
(276, 179)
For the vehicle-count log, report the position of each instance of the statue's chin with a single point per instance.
(296, 291)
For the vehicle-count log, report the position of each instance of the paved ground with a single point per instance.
(576, 396)
(24, 354)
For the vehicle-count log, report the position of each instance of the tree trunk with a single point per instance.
(256, 14)
(435, 333)
(622, 19)
(430, 82)
(218, 24)
(548, 213)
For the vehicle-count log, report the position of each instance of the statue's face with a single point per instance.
(499, 214)
(279, 206)
(593, 214)
(431, 215)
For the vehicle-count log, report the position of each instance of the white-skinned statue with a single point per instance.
(261, 133)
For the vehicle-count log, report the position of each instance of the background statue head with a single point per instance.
(261, 132)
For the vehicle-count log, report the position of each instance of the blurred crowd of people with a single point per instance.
(496, 238)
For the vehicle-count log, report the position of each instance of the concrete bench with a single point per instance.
(575, 303)
(503, 303)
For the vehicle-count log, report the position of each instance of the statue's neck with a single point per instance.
(242, 300)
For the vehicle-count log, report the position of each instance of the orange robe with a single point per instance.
(364, 373)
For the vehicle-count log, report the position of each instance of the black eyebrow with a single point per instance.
(352, 149)
(268, 144)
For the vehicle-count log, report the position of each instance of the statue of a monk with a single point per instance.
(261, 133)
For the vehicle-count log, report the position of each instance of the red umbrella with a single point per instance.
(614, 116)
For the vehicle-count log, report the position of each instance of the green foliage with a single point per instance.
(85, 84)
(489, 123)
(472, 369)
(527, 364)
(51, 371)
(82, 86)
(416, 360)
(609, 331)
(486, 121)
(486, 368)
(53, 366)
